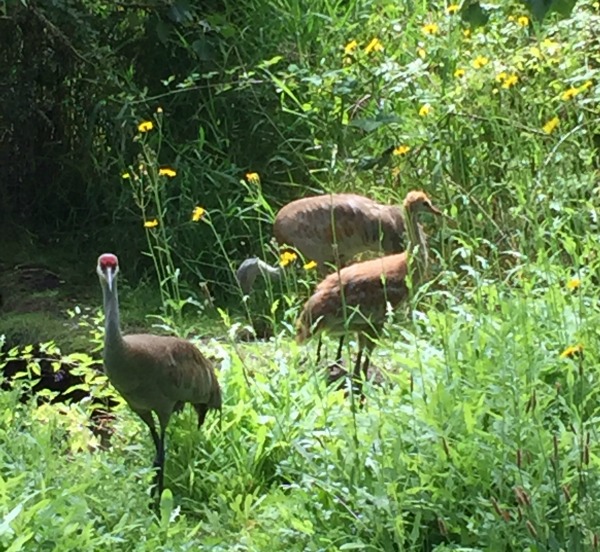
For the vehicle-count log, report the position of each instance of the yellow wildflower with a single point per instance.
(401, 150)
(549, 127)
(350, 47)
(374, 46)
(570, 93)
(573, 284)
(152, 223)
(310, 265)
(452, 8)
(459, 73)
(197, 213)
(430, 28)
(536, 52)
(166, 171)
(425, 110)
(421, 53)
(585, 86)
(467, 33)
(550, 45)
(501, 76)
(145, 126)
(480, 61)
(510, 80)
(523, 20)
(253, 178)
(125, 176)
(287, 257)
(572, 350)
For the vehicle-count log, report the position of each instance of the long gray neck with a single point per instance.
(250, 269)
(112, 329)
(417, 247)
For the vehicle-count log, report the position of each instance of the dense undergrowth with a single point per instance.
(484, 434)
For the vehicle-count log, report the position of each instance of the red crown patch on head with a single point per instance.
(108, 260)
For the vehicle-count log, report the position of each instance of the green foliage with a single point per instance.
(483, 436)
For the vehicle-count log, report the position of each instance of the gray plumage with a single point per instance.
(154, 374)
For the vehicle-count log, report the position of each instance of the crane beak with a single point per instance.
(435, 210)
(110, 278)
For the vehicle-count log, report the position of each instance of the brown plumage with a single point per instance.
(334, 228)
(356, 297)
(330, 230)
(154, 374)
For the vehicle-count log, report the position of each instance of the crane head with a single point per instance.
(416, 201)
(107, 269)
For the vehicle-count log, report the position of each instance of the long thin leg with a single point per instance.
(338, 355)
(160, 464)
(159, 445)
(319, 344)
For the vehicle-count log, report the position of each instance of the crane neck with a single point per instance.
(417, 247)
(112, 326)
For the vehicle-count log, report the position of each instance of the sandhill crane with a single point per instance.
(356, 297)
(154, 374)
(330, 230)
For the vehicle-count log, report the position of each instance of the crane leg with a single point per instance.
(338, 355)
(319, 344)
(159, 464)
(159, 445)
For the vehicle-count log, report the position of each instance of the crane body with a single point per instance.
(356, 297)
(330, 229)
(156, 375)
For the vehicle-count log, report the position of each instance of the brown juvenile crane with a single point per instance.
(154, 374)
(330, 229)
(356, 298)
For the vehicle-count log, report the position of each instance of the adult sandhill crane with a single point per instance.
(356, 297)
(330, 229)
(154, 374)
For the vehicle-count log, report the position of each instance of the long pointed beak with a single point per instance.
(435, 210)
(110, 278)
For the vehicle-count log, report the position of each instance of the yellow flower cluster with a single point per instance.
(253, 178)
(145, 126)
(198, 213)
(401, 150)
(425, 110)
(287, 257)
(480, 61)
(166, 171)
(572, 351)
(551, 125)
(570, 93)
(374, 46)
(507, 79)
(573, 284)
(430, 28)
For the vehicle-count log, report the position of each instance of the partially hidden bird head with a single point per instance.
(107, 269)
(416, 201)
